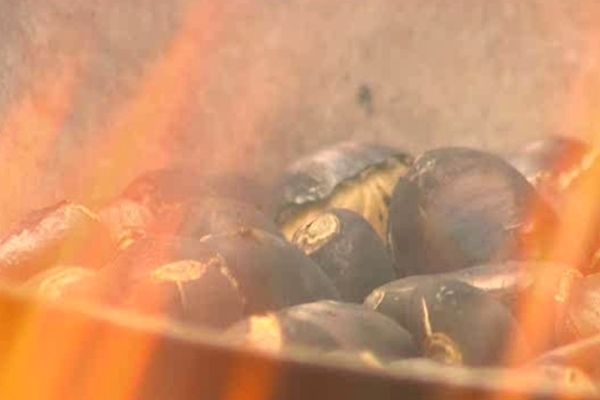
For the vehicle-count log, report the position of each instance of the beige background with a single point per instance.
(94, 91)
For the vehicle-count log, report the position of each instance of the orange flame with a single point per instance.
(147, 119)
(29, 131)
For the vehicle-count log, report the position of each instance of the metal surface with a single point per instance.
(186, 365)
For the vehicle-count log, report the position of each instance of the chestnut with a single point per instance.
(459, 207)
(349, 251)
(456, 323)
(210, 282)
(65, 233)
(326, 326)
(350, 175)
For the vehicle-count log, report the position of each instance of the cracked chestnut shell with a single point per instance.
(65, 233)
(326, 326)
(213, 282)
(350, 175)
(507, 282)
(456, 323)
(458, 208)
(349, 251)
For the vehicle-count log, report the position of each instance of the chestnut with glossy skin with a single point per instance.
(507, 282)
(349, 251)
(326, 326)
(349, 175)
(458, 208)
(457, 323)
(272, 273)
(65, 233)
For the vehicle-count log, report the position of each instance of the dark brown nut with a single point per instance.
(63, 234)
(456, 323)
(326, 326)
(507, 282)
(349, 251)
(350, 175)
(272, 273)
(458, 208)
(212, 282)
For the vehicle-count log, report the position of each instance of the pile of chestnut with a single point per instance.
(451, 261)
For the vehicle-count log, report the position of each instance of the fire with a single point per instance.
(29, 130)
(149, 117)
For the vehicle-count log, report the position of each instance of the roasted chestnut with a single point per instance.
(456, 323)
(507, 282)
(350, 175)
(326, 326)
(65, 233)
(272, 273)
(213, 282)
(458, 207)
(349, 251)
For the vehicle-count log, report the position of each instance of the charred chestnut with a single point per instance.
(349, 251)
(176, 278)
(459, 207)
(456, 323)
(212, 282)
(350, 175)
(326, 326)
(65, 233)
(272, 273)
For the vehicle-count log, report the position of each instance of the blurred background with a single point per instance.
(94, 92)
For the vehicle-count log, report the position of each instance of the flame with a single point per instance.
(149, 116)
(29, 130)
